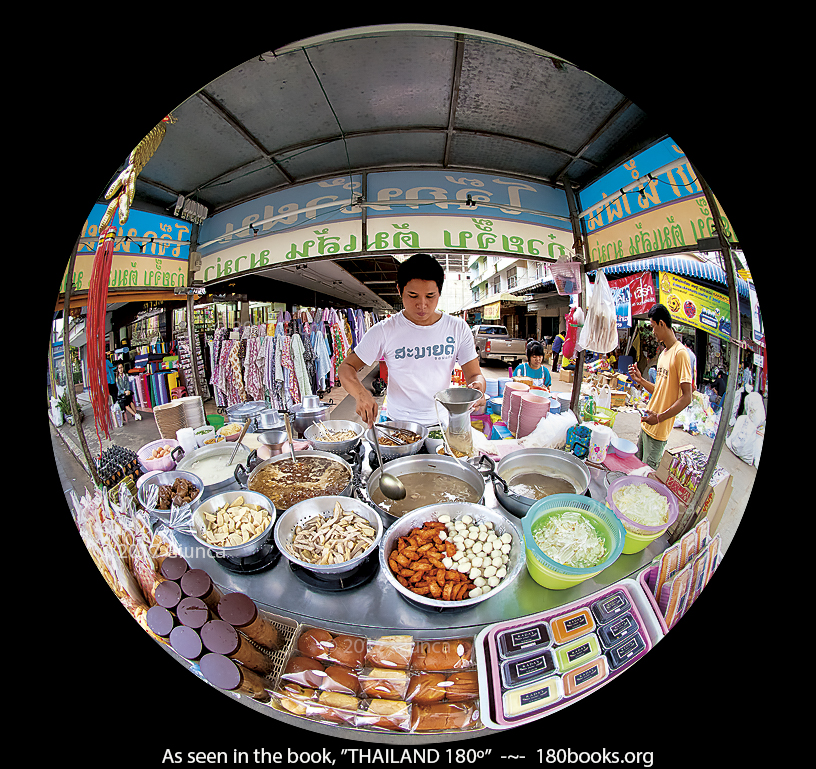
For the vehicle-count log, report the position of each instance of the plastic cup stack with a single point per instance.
(509, 389)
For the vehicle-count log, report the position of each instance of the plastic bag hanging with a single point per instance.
(600, 332)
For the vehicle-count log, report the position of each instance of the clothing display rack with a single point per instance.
(283, 362)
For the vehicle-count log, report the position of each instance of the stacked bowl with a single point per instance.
(533, 407)
(507, 399)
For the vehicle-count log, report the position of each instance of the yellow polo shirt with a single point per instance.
(673, 368)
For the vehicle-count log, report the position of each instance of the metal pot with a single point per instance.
(539, 461)
(244, 480)
(249, 410)
(304, 511)
(223, 450)
(269, 419)
(213, 503)
(166, 478)
(313, 434)
(424, 463)
(390, 452)
(303, 415)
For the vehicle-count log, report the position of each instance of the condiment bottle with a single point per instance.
(186, 642)
(160, 620)
(220, 637)
(192, 612)
(196, 583)
(168, 594)
(242, 613)
(222, 672)
(173, 567)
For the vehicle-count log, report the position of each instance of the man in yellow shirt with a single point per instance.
(670, 393)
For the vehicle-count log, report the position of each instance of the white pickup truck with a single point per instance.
(493, 343)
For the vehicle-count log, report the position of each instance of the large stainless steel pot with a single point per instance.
(558, 463)
(240, 412)
(217, 501)
(419, 463)
(303, 415)
(223, 450)
(244, 480)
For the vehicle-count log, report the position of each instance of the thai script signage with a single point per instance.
(141, 265)
(673, 226)
(694, 305)
(670, 212)
(641, 291)
(319, 220)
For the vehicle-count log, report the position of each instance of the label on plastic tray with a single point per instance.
(610, 606)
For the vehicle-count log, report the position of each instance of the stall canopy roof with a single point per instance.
(387, 97)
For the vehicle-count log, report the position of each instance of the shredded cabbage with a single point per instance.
(640, 503)
(571, 540)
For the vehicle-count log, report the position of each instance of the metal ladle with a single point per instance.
(289, 436)
(390, 485)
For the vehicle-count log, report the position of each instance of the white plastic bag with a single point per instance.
(600, 332)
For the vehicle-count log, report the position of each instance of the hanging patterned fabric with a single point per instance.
(299, 366)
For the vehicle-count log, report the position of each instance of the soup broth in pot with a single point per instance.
(534, 485)
(425, 488)
(286, 483)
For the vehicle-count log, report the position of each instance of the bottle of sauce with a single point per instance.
(227, 674)
(242, 613)
(196, 583)
(220, 637)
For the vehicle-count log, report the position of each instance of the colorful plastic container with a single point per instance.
(551, 574)
(639, 536)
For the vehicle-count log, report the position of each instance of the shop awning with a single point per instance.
(691, 268)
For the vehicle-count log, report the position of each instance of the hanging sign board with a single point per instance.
(693, 305)
(641, 291)
(141, 265)
(492, 311)
(669, 212)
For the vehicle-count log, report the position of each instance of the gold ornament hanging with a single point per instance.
(125, 184)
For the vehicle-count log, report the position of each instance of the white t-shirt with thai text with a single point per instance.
(420, 361)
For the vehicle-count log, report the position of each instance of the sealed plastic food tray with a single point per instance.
(492, 687)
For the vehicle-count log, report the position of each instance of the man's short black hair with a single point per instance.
(658, 312)
(420, 267)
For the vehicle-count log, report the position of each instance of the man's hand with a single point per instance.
(650, 418)
(367, 408)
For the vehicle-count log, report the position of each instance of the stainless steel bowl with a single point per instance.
(217, 501)
(480, 514)
(313, 435)
(302, 512)
(166, 479)
(302, 418)
(391, 452)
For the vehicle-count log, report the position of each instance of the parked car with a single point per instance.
(493, 343)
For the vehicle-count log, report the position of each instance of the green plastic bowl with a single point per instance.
(556, 576)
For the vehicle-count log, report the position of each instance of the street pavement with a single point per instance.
(74, 474)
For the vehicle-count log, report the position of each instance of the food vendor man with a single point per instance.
(421, 347)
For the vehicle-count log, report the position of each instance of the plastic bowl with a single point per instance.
(551, 574)
(638, 535)
(165, 463)
(622, 447)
